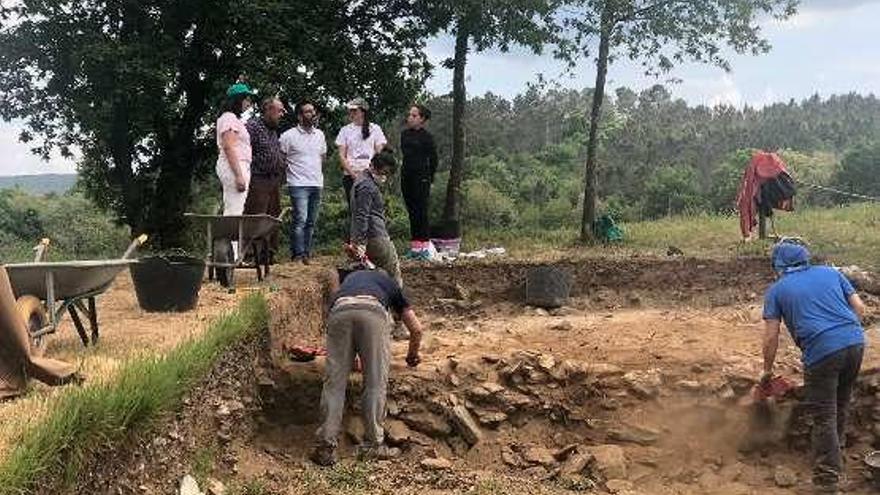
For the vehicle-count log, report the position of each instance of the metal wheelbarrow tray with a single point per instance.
(250, 231)
(65, 286)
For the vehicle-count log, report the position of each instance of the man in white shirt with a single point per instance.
(304, 149)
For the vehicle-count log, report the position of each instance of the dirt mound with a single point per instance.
(671, 280)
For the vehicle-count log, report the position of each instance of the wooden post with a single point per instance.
(762, 224)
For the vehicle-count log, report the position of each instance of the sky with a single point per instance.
(829, 47)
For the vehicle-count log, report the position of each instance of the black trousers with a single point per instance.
(264, 197)
(347, 184)
(416, 194)
(829, 384)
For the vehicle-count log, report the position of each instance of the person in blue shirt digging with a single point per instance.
(822, 312)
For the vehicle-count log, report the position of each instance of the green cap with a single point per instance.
(240, 89)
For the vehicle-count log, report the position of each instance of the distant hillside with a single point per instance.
(39, 184)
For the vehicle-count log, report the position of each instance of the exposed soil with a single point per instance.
(640, 384)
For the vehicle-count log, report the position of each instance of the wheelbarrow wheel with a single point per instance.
(223, 253)
(34, 314)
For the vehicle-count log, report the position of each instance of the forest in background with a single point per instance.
(658, 157)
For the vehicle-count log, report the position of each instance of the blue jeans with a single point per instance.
(305, 201)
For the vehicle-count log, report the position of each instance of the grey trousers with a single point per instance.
(829, 384)
(361, 329)
(381, 251)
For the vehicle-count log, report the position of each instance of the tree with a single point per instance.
(136, 85)
(481, 24)
(672, 191)
(858, 172)
(661, 34)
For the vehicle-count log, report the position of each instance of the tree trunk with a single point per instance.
(452, 209)
(593, 144)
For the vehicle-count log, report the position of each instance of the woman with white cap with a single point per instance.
(358, 142)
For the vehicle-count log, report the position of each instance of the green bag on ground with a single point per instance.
(606, 230)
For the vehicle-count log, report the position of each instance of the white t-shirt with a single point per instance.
(304, 153)
(360, 151)
(242, 141)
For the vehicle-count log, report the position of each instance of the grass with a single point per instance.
(845, 235)
(203, 462)
(86, 420)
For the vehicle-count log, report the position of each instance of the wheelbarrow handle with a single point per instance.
(137, 242)
(40, 249)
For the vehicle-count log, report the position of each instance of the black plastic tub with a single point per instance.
(168, 283)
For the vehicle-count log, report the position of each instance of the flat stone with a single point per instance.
(512, 401)
(602, 370)
(644, 384)
(634, 434)
(465, 425)
(562, 311)
(784, 477)
(565, 452)
(576, 464)
(689, 385)
(538, 455)
(428, 423)
(610, 461)
(542, 312)
(490, 418)
(546, 362)
(562, 326)
(437, 464)
(188, 486)
(215, 487)
(397, 433)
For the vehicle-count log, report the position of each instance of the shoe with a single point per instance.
(378, 453)
(305, 260)
(324, 455)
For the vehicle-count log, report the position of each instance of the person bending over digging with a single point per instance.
(823, 314)
(369, 236)
(359, 324)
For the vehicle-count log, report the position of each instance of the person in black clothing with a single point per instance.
(419, 166)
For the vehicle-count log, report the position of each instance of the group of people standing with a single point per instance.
(256, 157)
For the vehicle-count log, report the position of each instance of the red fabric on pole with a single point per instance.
(763, 167)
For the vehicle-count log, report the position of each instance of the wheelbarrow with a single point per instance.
(252, 232)
(44, 291)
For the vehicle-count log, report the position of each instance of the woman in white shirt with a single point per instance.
(234, 149)
(358, 142)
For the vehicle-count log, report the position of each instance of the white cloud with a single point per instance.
(17, 159)
(727, 93)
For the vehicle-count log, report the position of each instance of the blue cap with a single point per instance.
(788, 257)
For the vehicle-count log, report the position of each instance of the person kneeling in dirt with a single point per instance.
(359, 323)
(369, 236)
(823, 314)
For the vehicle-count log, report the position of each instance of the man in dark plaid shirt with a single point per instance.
(267, 165)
